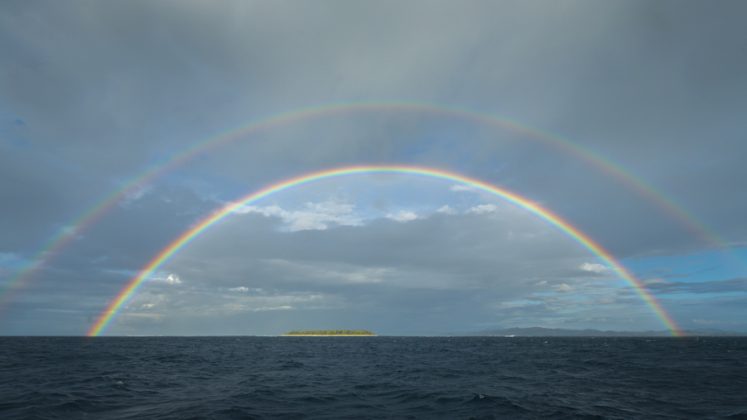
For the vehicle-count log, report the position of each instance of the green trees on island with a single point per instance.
(330, 332)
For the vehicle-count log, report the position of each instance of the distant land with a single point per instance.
(562, 332)
(316, 333)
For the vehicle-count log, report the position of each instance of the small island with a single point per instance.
(327, 333)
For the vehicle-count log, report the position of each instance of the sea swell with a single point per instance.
(372, 377)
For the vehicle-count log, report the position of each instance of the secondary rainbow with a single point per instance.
(105, 318)
(76, 227)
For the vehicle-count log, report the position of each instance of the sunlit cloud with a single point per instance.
(593, 268)
(403, 216)
(483, 209)
(462, 188)
(446, 209)
(313, 216)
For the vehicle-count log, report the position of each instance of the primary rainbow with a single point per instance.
(186, 237)
(65, 235)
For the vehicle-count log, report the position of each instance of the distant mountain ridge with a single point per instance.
(563, 332)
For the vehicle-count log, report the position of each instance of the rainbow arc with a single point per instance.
(75, 228)
(131, 288)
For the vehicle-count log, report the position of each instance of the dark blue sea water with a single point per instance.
(372, 377)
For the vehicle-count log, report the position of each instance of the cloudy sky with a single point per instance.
(95, 94)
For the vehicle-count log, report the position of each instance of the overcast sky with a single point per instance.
(92, 94)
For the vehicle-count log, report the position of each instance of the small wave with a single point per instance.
(264, 377)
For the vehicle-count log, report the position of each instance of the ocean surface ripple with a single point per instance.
(372, 377)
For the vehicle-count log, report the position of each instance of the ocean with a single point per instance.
(372, 377)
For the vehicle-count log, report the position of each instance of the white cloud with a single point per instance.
(147, 301)
(273, 308)
(173, 279)
(336, 273)
(519, 303)
(313, 216)
(366, 275)
(170, 278)
(446, 209)
(240, 307)
(563, 287)
(402, 216)
(461, 188)
(255, 291)
(593, 268)
(483, 209)
(274, 302)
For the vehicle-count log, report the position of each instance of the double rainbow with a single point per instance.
(106, 317)
(54, 245)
